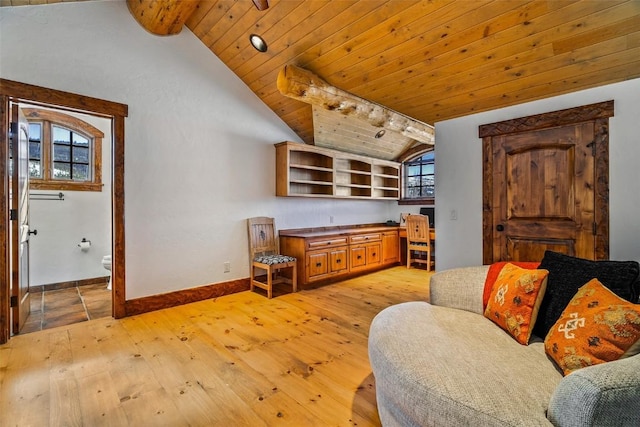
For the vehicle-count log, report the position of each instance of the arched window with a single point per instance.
(419, 178)
(65, 153)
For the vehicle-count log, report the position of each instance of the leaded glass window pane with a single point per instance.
(35, 150)
(80, 155)
(62, 153)
(61, 135)
(80, 172)
(61, 170)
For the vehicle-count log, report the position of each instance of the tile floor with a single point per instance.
(61, 307)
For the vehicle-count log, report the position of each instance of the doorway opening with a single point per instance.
(69, 209)
(13, 298)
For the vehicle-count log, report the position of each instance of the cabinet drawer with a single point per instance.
(326, 243)
(364, 238)
(317, 265)
(358, 257)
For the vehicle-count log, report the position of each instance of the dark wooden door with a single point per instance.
(544, 193)
(546, 185)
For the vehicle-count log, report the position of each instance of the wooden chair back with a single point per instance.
(418, 229)
(262, 236)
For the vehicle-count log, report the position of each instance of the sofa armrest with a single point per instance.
(460, 288)
(601, 395)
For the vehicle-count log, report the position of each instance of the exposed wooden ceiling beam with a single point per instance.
(162, 17)
(303, 85)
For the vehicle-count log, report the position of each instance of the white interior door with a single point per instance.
(20, 296)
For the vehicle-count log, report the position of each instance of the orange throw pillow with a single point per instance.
(494, 271)
(597, 326)
(515, 300)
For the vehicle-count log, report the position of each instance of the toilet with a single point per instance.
(106, 263)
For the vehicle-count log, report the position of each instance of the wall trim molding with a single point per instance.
(184, 296)
(70, 284)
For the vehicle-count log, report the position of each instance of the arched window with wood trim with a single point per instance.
(65, 152)
(418, 178)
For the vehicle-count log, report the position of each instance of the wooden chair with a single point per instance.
(418, 240)
(264, 255)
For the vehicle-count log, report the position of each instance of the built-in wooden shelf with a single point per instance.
(308, 171)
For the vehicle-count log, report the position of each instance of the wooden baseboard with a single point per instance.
(69, 284)
(185, 296)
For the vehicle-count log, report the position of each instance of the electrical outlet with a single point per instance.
(453, 215)
(227, 267)
(330, 219)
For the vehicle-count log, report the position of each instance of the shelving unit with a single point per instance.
(309, 171)
(386, 181)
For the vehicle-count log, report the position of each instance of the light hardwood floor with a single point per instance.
(240, 360)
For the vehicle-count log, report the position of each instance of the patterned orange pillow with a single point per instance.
(515, 300)
(596, 327)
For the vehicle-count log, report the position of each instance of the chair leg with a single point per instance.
(269, 284)
(251, 278)
(429, 260)
(294, 278)
(408, 258)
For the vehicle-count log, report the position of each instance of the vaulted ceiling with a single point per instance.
(430, 60)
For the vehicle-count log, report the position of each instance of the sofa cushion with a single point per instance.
(494, 271)
(596, 327)
(443, 366)
(515, 299)
(567, 274)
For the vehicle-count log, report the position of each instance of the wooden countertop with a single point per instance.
(337, 231)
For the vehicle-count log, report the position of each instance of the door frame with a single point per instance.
(599, 114)
(12, 91)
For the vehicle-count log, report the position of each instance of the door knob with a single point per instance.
(500, 227)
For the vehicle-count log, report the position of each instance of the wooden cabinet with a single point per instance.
(308, 171)
(323, 257)
(365, 256)
(390, 247)
(338, 252)
(365, 251)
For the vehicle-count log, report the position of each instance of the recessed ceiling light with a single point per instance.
(380, 133)
(258, 43)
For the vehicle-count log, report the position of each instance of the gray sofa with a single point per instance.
(444, 364)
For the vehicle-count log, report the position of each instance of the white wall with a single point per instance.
(54, 255)
(459, 173)
(199, 144)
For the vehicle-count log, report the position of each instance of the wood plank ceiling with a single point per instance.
(430, 60)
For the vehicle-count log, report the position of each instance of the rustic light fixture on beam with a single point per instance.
(258, 43)
(303, 85)
(261, 4)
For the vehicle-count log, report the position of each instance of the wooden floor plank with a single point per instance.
(242, 359)
(24, 392)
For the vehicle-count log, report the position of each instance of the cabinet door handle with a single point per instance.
(318, 264)
(374, 254)
(338, 261)
(359, 256)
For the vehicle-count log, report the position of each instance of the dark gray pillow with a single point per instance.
(567, 274)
